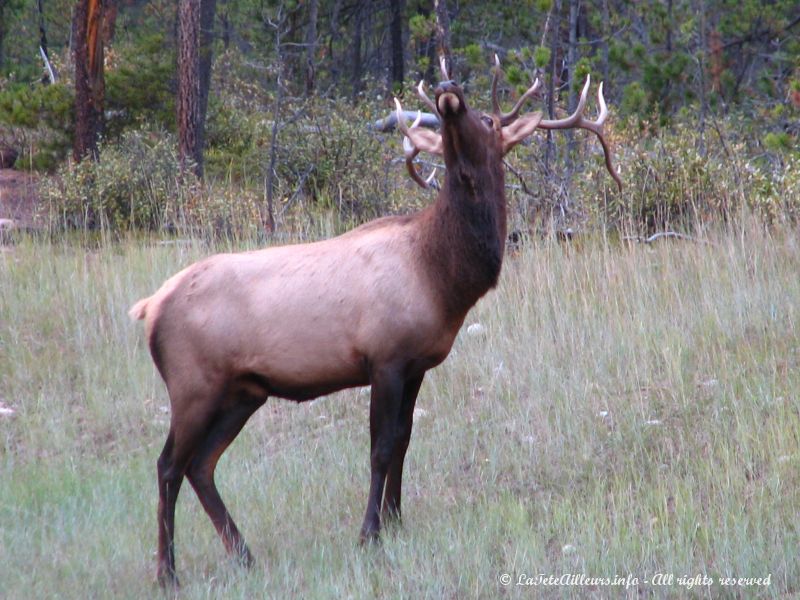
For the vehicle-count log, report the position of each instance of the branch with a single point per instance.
(663, 235)
(518, 175)
(388, 123)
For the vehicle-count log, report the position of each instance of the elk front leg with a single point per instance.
(394, 477)
(385, 402)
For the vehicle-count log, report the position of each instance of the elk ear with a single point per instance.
(425, 140)
(518, 130)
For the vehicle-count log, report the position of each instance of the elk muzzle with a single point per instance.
(449, 99)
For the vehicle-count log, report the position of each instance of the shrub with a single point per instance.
(341, 164)
(134, 185)
(137, 185)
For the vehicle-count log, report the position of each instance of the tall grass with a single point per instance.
(623, 410)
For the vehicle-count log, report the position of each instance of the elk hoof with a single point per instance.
(367, 539)
(167, 580)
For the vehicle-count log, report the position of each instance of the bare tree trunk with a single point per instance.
(311, 46)
(208, 9)
(3, 19)
(606, 38)
(43, 49)
(188, 101)
(572, 84)
(550, 149)
(89, 83)
(398, 8)
(358, 66)
(269, 184)
(701, 9)
(226, 26)
(333, 23)
(572, 54)
(443, 33)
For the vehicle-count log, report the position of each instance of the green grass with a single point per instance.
(627, 410)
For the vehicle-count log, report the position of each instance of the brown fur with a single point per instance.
(379, 305)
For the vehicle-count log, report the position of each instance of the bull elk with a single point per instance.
(378, 306)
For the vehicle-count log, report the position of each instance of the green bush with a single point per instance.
(136, 184)
(328, 161)
(681, 177)
(341, 164)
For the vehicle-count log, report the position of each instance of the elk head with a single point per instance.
(501, 131)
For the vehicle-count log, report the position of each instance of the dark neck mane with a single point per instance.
(463, 236)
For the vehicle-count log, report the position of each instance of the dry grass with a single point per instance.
(626, 410)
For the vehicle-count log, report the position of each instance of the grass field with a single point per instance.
(626, 411)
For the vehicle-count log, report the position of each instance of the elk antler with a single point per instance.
(509, 117)
(416, 139)
(421, 88)
(577, 121)
(426, 100)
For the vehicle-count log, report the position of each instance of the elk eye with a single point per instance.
(488, 121)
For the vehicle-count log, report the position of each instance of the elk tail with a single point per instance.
(139, 310)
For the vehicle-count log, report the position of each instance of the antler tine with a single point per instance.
(572, 120)
(577, 120)
(431, 180)
(511, 116)
(596, 127)
(443, 68)
(495, 78)
(410, 151)
(428, 102)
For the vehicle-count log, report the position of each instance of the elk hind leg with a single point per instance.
(223, 430)
(184, 435)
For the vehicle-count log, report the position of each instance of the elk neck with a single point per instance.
(464, 233)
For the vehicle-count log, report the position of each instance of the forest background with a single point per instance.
(255, 115)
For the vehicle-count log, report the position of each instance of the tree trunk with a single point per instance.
(550, 149)
(188, 101)
(43, 49)
(208, 9)
(89, 84)
(311, 46)
(700, 10)
(398, 9)
(269, 184)
(572, 84)
(358, 67)
(443, 33)
(606, 39)
(3, 6)
(332, 59)
(572, 54)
